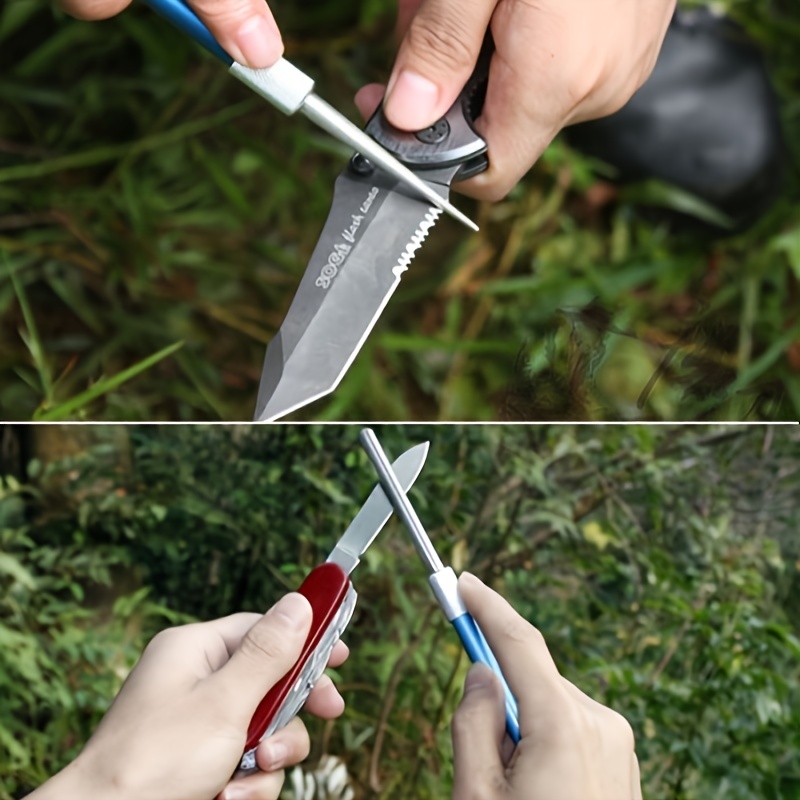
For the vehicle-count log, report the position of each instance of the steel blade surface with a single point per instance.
(375, 512)
(370, 237)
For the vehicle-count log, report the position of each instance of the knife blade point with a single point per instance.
(344, 289)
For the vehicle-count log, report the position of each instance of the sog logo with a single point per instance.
(341, 250)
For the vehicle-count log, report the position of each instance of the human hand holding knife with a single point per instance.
(333, 598)
(176, 729)
(385, 203)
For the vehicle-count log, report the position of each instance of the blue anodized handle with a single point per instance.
(182, 17)
(445, 587)
(478, 650)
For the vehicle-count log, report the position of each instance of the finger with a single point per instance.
(339, 654)
(325, 700)
(287, 746)
(228, 633)
(368, 98)
(522, 112)
(515, 137)
(508, 749)
(437, 55)
(478, 733)
(223, 636)
(548, 72)
(258, 786)
(405, 13)
(542, 68)
(245, 29)
(93, 9)
(232, 629)
(192, 652)
(522, 653)
(266, 653)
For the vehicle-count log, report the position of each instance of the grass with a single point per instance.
(148, 200)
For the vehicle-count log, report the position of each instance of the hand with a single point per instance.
(557, 62)
(177, 729)
(245, 29)
(571, 747)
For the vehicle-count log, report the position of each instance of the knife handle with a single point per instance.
(282, 84)
(452, 141)
(183, 18)
(332, 599)
(445, 588)
(478, 650)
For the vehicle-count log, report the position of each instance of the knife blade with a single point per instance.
(375, 512)
(374, 229)
(354, 270)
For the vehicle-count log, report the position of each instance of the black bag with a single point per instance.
(706, 121)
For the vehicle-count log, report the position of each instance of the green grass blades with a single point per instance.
(68, 408)
(146, 198)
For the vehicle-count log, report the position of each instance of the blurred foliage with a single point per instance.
(662, 565)
(61, 661)
(155, 219)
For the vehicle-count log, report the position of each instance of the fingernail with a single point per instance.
(259, 42)
(411, 100)
(275, 756)
(467, 578)
(293, 608)
(478, 677)
(234, 791)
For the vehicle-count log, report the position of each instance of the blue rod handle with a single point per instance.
(183, 18)
(479, 651)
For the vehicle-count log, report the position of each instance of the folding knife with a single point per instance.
(333, 599)
(373, 230)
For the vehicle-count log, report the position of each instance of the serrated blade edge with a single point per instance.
(407, 256)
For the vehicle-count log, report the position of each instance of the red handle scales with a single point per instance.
(325, 588)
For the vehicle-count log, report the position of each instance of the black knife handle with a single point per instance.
(452, 140)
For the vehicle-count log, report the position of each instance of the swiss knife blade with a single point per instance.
(375, 512)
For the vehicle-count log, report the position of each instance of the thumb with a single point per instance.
(266, 654)
(478, 732)
(368, 98)
(436, 57)
(245, 29)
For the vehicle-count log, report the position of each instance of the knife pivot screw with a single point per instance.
(361, 165)
(437, 132)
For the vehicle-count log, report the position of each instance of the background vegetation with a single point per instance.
(155, 219)
(662, 565)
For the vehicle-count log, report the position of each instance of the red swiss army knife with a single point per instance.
(333, 599)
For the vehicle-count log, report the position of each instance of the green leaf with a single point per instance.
(659, 193)
(32, 340)
(12, 567)
(103, 386)
(325, 485)
(789, 243)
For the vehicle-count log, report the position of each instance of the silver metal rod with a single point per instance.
(330, 120)
(398, 498)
